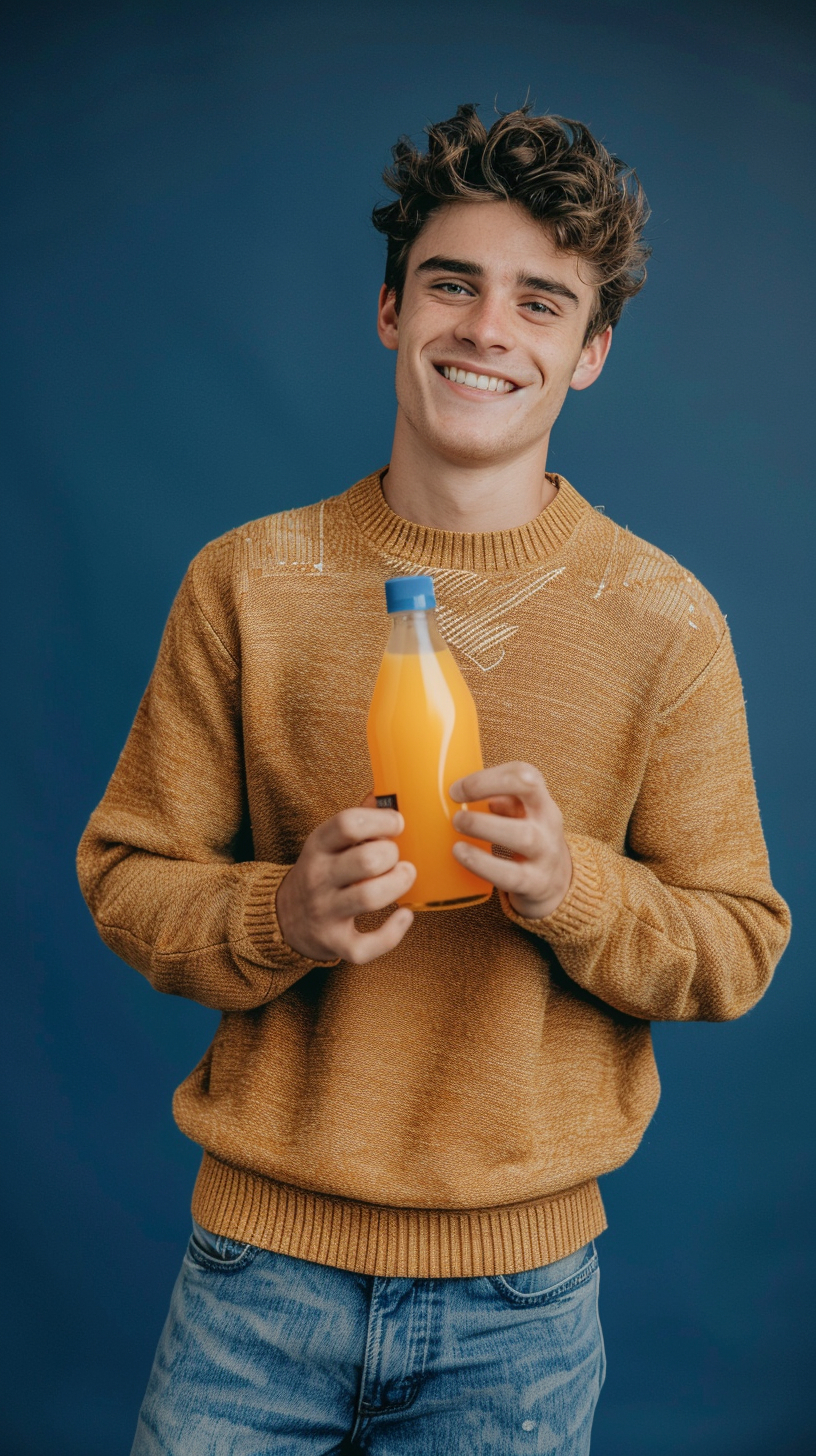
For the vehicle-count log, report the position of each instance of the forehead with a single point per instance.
(503, 239)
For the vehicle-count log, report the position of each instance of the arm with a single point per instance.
(158, 865)
(157, 862)
(686, 925)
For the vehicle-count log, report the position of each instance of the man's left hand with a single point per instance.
(523, 818)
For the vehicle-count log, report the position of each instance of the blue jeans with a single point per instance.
(263, 1353)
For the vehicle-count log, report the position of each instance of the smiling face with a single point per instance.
(490, 333)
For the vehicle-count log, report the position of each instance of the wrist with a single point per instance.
(294, 924)
(286, 918)
(541, 907)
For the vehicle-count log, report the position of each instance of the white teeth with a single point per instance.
(477, 381)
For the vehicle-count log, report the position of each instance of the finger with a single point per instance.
(365, 946)
(522, 836)
(505, 874)
(519, 779)
(374, 894)
(352, 826)
(363, 862)
(508, 805)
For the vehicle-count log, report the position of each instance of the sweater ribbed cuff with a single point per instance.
(261, 927)
(582, 913)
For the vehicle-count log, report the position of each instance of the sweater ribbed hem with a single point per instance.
(487, 551)
(406, 1243)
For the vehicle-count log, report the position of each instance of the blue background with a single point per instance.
(189, 297)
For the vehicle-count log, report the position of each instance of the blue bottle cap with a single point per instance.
(410, 594)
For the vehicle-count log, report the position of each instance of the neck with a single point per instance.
(472, 495)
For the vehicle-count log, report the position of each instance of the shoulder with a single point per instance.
(656, 582)
(288, 538)
(653, 599)
(222, 571)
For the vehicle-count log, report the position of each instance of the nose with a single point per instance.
(485, 324)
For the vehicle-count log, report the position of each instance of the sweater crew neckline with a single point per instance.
(515, 549)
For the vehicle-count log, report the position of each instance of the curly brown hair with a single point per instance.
(590, 202)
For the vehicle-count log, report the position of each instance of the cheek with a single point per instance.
(557, 370)
(408, 384)
(414, 369)
(405, 370)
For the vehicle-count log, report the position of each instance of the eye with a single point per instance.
(537, 307)
(451, 289)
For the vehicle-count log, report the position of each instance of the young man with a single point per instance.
(404, 1118)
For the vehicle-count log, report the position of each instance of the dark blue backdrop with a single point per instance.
(190, 289)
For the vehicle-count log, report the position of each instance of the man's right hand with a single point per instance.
(348, 866)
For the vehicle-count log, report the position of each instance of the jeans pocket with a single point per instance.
(218, 1252)
(549, 1282)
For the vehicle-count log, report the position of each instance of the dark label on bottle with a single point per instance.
(387, 801)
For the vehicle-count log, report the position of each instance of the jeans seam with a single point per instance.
(370, 1355)
(202, 1259)
(546, 1296)
(601, 1339)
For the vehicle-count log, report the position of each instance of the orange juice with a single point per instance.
(423, 735)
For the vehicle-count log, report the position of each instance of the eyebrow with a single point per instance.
(451, 265)
(465, 269)
(547, 285)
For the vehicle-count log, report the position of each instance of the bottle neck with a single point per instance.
(415, 632)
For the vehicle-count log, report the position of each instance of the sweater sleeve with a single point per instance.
(685, 925)
(158, 862)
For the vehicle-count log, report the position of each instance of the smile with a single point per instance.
(491, 382)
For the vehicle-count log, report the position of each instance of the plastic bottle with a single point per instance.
(423, 735)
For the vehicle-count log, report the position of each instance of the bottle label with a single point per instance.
(387, 801)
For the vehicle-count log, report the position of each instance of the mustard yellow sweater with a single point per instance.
(447, 1109)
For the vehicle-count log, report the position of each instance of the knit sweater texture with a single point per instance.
(446, 1109)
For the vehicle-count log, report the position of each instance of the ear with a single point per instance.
(388, 318)
(592, 360)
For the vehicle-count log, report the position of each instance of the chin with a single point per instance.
(465, 445)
